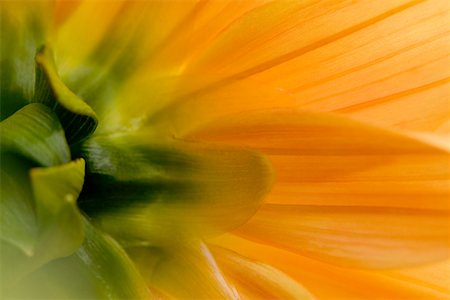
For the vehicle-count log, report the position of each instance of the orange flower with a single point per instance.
(339, 108)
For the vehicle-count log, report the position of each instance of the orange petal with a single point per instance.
(440, 140)
(354, 236)
(194, 32)
(326, 281)
(72, 43)
(434, 276)
(328, 160)
(374, 61)
(256, 280)
(179, 113)
(280, 31)
(63, 9)
(133, 47)
(288, 29)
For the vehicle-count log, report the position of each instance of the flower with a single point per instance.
(224, 149)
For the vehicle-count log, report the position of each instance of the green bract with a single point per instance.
(35, 133)
(44, 236)
(167, 193)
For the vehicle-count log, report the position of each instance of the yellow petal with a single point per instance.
(128, 32)
(73, 44)
(103, 43)
(328, 160)
(354, 236)
(326, 281)
(256, 280)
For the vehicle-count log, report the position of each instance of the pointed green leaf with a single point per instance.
(56, 190)
(77, 118)
(163, 193)
(35, 132)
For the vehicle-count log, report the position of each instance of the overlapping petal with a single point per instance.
(355, 237)
(363, 59)
(256, 280)
(188, 271)
(327, 281)
(432, 276)
(311, 152)
(324, 159)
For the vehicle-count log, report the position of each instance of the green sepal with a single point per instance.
(166, 193)
(35, 133)
(100, 269)
(90, 264)
(115, 273)
(56, 190)
(77, 118)
(55, 230)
